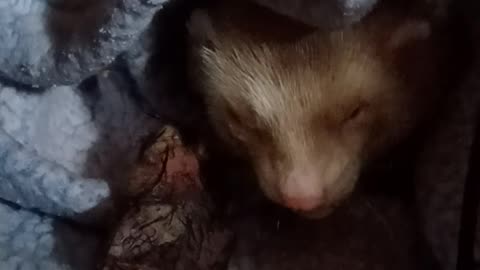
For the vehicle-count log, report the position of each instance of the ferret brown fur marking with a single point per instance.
(309, 107)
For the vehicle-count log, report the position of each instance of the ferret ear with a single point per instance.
(200, 27)
(409, 33)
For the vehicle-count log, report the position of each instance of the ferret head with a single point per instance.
(309, 112)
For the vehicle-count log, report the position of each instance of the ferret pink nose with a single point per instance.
(302, 192)
(301, 203)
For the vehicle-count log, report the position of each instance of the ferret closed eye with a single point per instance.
(355, 113)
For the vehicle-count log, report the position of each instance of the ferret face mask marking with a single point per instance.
(307, 113)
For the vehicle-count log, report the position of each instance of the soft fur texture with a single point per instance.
(309, 108)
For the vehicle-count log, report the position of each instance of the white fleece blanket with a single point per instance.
(59, 144)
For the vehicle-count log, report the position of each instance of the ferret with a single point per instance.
(310, 108)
